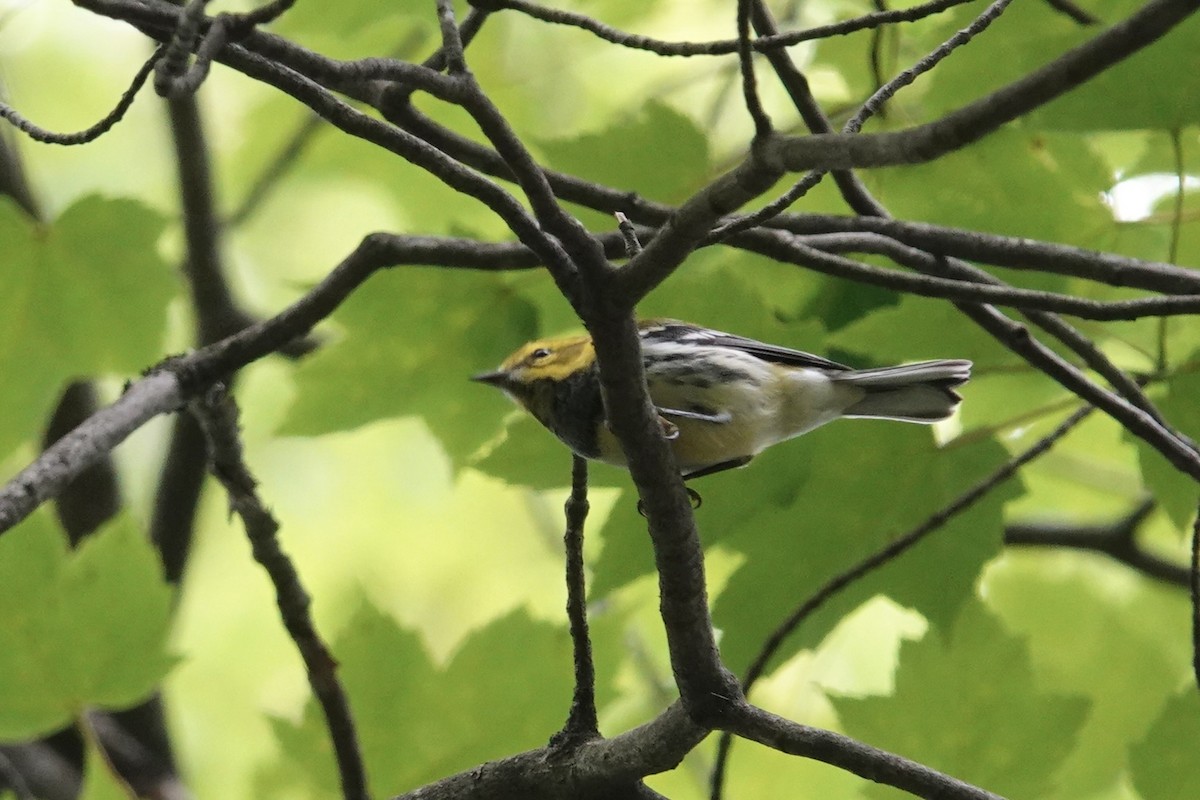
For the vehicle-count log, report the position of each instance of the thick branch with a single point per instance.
(67, 458)
(1116, 540)
(973, 122)
(707, 688)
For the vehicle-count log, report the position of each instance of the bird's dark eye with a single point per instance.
(539, 354)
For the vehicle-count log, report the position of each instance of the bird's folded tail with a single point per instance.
(922, 392)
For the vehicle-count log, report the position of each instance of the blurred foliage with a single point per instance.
(81, 629)
(425, 515)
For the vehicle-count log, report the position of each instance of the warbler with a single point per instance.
(721, 398)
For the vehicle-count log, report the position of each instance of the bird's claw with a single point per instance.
(693, 496)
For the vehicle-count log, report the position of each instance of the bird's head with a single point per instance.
(530, 374)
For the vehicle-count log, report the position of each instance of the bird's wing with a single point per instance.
(669, 330)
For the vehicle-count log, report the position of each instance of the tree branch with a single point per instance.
(973, 122)
(92, 132)
(1006, 251)
(840, 751)
(1116, 539)
(582, 723)
(765, 44)
(217, 415)
(818, 253)
(67, 458)
(873, 104)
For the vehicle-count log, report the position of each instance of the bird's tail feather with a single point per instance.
(922, 392)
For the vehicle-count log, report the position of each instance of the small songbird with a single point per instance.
(721, 398)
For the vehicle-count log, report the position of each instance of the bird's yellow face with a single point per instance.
(551, 360)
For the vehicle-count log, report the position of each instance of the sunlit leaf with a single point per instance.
(966, 703)
(84, 295)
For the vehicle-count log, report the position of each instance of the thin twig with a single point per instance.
(582, 723)
(628, 230)
(39, 134)
(856, 195)
(586, 256)
(762, 123)
(723, 47)
(217, 415)
(861, 759)
(173, 75)
(872, 106)
(1195, 592)
(266, 13)
(1002, 251)
(822, 258)
(1070, 9)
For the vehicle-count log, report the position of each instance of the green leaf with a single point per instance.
(87, 294)
(84, 629)
(413, 337)
(1005, 170)
(966, 703)
(507, 689)
(33, 697)
(1098, 629)
(868, 482)
(116, 616)
(1133, 95)
(1130, 95)
(658, 153)
(1176, 492)
(1164, 764)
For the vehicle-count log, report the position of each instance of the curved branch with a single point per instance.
(1116, 539)
(973, 122)
(868, 109)
(863, 760)
(159, 19)
(765, 44)
(93, 132)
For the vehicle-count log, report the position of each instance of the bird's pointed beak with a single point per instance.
(500, 379)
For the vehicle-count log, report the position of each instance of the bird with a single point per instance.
(721, 398)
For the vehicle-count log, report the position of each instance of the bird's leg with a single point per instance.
(721, 466)
(711, 469)
(693, 495)
(671, 432)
